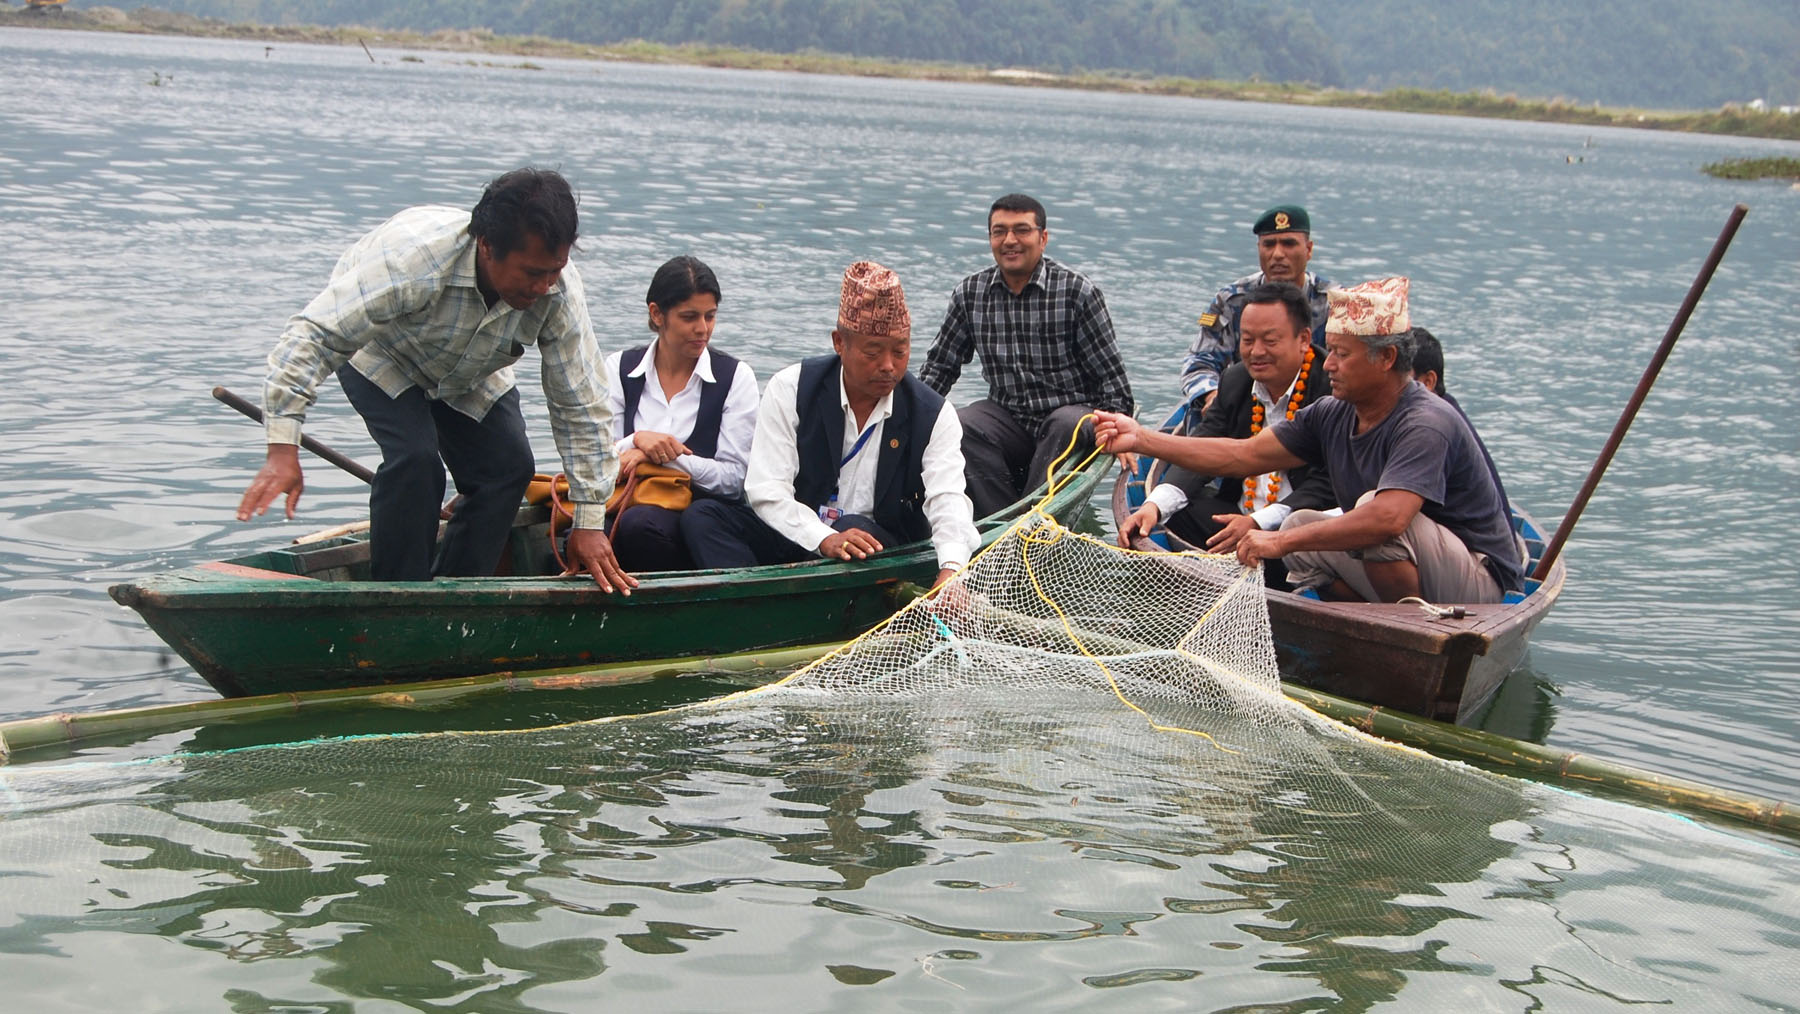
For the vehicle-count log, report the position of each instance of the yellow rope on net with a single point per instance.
(1036, 530)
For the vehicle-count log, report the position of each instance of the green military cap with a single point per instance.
(1283, 218)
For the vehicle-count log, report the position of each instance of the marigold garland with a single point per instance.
(1256, 425)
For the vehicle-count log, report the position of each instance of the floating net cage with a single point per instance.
(1068, 773)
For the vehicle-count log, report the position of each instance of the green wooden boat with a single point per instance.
(306, 618)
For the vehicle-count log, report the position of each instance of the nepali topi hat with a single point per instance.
(873, 303)
(1283, 218)
(1371, 308)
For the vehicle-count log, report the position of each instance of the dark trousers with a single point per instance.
(648, 537)
(1195, 524)
(727, 533)
(490, 460)
(1003, 460)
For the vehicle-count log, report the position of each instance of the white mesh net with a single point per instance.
(1045, 608)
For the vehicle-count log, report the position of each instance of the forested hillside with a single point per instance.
(1622, 52)
(1651, 53)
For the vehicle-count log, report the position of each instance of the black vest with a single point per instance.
(704, 440)
(900, 470)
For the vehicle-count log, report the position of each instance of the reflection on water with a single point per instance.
(949, 849)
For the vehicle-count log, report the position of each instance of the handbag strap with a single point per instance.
(559, 509)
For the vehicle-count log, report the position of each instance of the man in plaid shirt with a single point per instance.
(421, 322)
(1047, 352)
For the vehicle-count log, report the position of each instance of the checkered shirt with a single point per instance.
(1049, 346)
(403, 308)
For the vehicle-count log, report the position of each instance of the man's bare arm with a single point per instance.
(1205, 455)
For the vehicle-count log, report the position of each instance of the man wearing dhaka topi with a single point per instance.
(1422, 516)
(852, 454)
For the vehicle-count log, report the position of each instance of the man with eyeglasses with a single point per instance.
(1283, 247)
(1047, 353)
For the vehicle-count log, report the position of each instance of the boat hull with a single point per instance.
(268, 623)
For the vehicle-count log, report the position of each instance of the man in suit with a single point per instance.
(1279, 372)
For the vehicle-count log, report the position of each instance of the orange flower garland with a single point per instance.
(1256, 425)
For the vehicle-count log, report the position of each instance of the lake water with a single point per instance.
(168, 203)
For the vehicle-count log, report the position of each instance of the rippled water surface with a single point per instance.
(168, 203)
(801, 853)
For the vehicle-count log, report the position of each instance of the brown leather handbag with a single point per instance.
(656, 485)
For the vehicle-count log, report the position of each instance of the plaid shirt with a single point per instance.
(403, 309)
(1049, 346)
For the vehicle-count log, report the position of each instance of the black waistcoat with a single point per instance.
(704, 440)
(900, 470)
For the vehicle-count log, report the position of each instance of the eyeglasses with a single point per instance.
(1000, 232)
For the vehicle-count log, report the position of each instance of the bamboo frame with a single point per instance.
(1484, 749)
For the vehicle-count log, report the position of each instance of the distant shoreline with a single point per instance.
(1754, 169)
(1729, 121)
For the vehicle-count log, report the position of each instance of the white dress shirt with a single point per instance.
(722, 474)
(775, 462)
(1170, 497)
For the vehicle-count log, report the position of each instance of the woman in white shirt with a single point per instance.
(678, 402)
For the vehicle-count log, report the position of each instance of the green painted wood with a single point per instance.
(251, 634)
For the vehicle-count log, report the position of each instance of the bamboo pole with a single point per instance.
(1530, 760)
(342, 461)
(1485, 749)
(68, 728)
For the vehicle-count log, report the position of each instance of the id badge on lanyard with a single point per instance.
(828, 511)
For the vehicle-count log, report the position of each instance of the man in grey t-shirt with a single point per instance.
(1422, 516)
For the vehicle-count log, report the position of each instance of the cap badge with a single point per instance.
(1281, 220)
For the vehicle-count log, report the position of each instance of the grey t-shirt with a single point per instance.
(1424, 446)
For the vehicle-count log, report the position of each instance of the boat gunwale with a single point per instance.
(197, 587)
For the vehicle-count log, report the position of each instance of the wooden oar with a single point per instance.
(342, 461)
(1643, 390)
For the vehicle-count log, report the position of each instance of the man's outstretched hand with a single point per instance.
(280, 474)
(1117, 433)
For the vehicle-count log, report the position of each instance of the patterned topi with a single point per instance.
(1370, 308)
(873, 303)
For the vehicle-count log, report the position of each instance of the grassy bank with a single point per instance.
(1754, 169)
(1730, 120)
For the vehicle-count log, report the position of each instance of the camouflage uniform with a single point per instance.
(1217, 345)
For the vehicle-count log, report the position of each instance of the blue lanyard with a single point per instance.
(860, 441)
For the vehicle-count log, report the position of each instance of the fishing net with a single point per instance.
(1067, 774)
